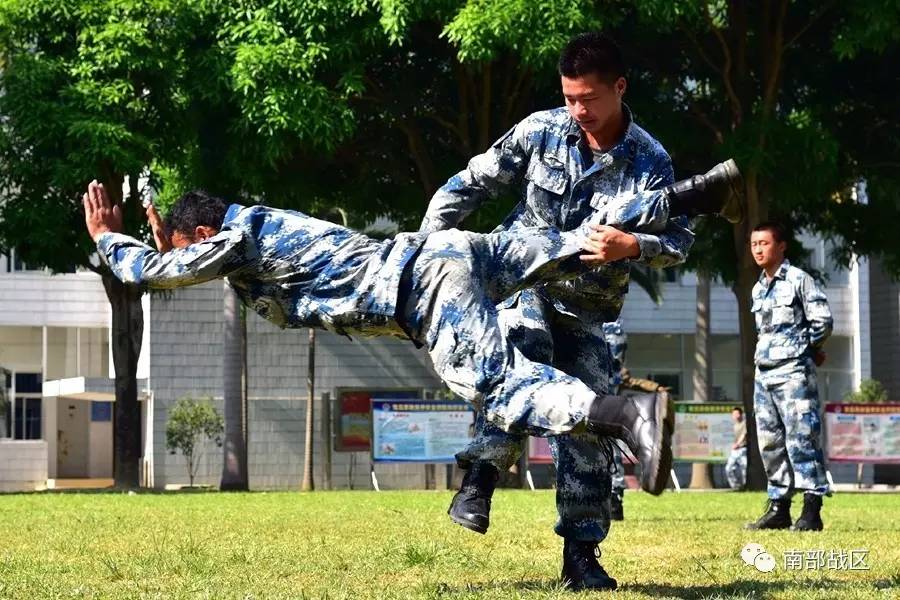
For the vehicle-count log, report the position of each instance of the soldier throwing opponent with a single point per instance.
(439, 290)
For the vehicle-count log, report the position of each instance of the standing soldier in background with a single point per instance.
(736, 466)
(793, 321)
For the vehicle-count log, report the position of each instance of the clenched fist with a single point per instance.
(607, 244)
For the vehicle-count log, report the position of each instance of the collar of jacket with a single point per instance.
(781, 273)
(625, 148)
(232, 212)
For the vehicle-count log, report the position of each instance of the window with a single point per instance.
(28, 418)
(23, 416)
(14, 264)
(669, 380)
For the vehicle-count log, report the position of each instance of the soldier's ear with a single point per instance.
(203, 233)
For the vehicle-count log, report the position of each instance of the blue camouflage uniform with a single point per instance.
(559, 182)
(439, 290)
(618, 344)
(793, 321)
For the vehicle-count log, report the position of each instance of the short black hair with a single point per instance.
(779, 231)
(193, 209)
(592, 52)
(738, 408)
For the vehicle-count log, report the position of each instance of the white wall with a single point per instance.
(37, 298)
(186, 359)
(23, 465)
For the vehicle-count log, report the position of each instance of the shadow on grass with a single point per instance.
(741, 588)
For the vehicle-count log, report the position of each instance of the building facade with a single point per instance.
(54, 348)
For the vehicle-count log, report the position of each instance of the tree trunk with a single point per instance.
(701, 473)
(235, 474)
(127, 330)
(748, 273)
(308, 483)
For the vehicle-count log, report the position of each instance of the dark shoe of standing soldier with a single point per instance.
(720, 191)
(777, 516)
(641, 421)
(811, 518)
(581, 568)
(616, 508)
(471, 506)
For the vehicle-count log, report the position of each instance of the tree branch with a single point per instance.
(736, 111)
(809, 23)
(770, 93)
(484, 125)
(705, 120)
(687, 32)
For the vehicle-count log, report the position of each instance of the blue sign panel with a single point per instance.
(101, 411)
(420, 431)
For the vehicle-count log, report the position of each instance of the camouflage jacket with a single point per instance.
(545, 161)
(792, 316)
(293, 270)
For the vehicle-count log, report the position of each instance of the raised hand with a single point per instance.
(163, 243)
(100, 215)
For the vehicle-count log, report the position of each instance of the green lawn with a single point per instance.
(402, 545)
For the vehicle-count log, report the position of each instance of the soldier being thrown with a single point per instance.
(439, 290)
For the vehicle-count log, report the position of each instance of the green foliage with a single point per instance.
(370, 106)
(870, 392)
(192, 422)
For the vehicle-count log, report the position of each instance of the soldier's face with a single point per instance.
(202, 233)
(593, 102)
(766, 251)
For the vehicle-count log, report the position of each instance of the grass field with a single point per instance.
(402, 545)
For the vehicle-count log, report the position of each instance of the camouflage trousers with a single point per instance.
(448, 297)
(582, 460)
(789, 428)
(736, 468)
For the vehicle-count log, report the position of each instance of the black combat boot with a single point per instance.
(810, 519)
(720, 191)
(471, 506)
(777, 516)
(581, 568)
(642, 421)
(616, 508)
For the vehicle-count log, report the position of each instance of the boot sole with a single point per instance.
(663, 446)
(751, 527)
(820, 528)
(470, 525)
(572, 587)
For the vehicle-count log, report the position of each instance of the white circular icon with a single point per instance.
(750, 552)
(764, 562)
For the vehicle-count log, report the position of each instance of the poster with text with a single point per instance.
(704, 432)
(353, 421)
(420, 431)
(863, 433)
